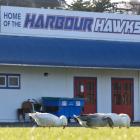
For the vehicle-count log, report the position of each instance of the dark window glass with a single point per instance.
(2, 81)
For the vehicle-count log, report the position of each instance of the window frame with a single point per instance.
(7, 81)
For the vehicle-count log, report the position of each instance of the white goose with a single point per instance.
(94, 120)
(120, 120)
(47, 119)
(104, 119)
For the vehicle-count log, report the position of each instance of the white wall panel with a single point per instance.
(59, 83)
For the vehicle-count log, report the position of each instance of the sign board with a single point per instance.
(69, 24)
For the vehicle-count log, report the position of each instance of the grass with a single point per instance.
(69, 133)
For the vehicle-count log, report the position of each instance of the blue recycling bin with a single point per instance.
(63, 106)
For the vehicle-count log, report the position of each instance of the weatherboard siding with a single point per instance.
(59, 83)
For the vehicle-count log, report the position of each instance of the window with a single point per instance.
(10, 81)
(2, 81)
(13, 81)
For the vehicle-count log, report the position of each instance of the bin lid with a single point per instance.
(61, 98)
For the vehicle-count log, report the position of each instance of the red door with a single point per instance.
(122, 96)
(85, 87)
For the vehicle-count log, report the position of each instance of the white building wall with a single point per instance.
(108, 74)
(34, 85)
(137, 97)
(59, 83)
(104, 103)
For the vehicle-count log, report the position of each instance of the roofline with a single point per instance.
(72, 67)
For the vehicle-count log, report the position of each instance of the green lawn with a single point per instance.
(69, 133)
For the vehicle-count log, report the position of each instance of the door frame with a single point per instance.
(132, 99)
(84, 78)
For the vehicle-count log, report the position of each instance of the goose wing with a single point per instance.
(45, 119)
(99, 121)
(94, 121)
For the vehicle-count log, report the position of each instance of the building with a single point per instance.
(58, 53)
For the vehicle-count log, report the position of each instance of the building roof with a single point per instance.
(17, 50)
